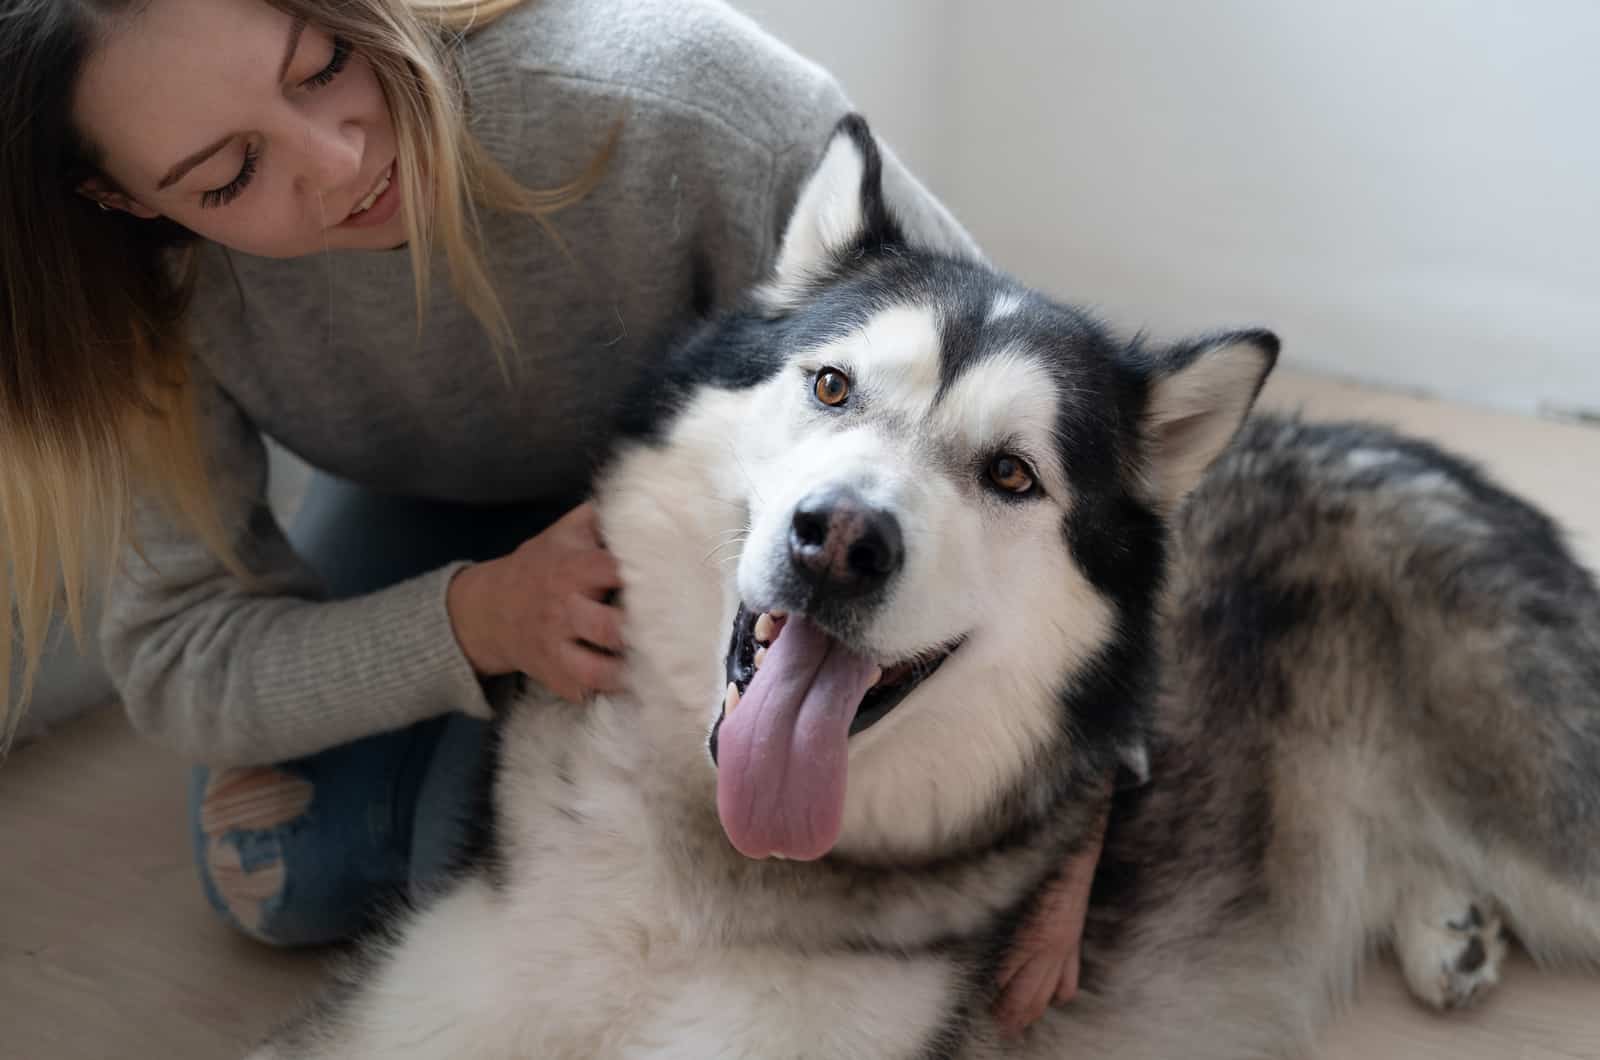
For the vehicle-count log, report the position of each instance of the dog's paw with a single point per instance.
(1450, 949)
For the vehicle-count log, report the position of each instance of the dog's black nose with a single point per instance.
(842, 544)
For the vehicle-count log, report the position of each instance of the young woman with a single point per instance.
(424, 244)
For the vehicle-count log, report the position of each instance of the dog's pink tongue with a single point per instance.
(781, 753)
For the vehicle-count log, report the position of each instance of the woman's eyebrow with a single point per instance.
(181, 170)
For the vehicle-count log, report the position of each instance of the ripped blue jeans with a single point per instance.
(305, 852)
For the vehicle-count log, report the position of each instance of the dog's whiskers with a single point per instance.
(730, 539)
(713, 556)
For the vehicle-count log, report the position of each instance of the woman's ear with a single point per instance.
(108, 198)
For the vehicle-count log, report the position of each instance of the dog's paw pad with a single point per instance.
(1451, 962)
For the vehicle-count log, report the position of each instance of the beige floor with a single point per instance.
(107, 950)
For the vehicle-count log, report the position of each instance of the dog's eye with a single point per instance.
(1011, 474)
(831, 387)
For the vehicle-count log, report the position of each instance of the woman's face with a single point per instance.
(244, 125)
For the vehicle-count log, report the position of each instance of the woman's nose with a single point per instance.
(333, 154)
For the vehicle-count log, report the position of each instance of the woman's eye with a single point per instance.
(227, 193)
(831, 387)
(341, 56)
(1010, 474)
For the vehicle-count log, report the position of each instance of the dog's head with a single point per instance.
(939, 508)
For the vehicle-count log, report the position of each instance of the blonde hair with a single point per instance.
(96, 401)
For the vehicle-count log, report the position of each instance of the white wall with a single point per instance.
(890, 56)
(1407, 191)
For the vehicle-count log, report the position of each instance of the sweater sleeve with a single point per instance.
(235, 673)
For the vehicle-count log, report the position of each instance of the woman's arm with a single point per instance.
(232, 674)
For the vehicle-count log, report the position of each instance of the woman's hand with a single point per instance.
(543, 610)
(1042, 966)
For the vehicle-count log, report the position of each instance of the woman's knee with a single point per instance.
(255, 852)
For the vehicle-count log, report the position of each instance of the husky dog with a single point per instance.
(916, 559)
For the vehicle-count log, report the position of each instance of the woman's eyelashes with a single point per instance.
(252, 154)
(341, 56)
(230, 191)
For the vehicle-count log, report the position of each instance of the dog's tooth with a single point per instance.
(877, 675)
(761, 656)
(730, 699)
(765, 628)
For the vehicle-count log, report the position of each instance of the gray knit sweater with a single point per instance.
(723, 124)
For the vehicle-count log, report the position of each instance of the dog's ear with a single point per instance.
(1197, 398)
(840, 212)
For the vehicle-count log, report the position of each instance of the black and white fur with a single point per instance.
(1363, 683)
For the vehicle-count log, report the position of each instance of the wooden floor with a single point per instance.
(107, 949)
